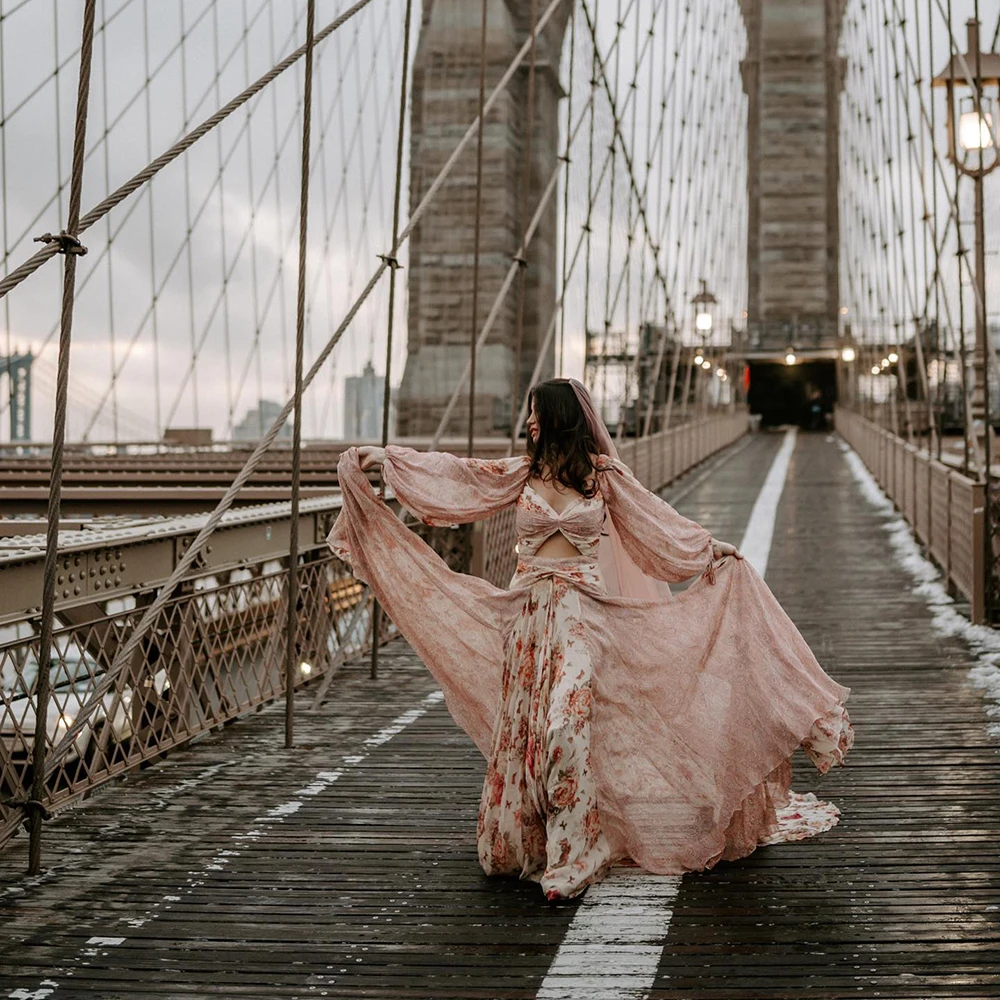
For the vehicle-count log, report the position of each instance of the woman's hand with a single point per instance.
(720, 549)
(370, 456)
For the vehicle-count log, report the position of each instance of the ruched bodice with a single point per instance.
(581, 522)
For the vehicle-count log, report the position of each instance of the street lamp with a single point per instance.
(973, 127)
(704, 320)
(704, 310)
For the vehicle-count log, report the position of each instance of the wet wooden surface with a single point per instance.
(201, 877)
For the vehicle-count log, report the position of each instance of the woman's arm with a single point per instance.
(443, 489)
(663, 543)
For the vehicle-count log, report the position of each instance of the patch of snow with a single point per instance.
(946, 621)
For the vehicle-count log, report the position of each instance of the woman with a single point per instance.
(618, 722)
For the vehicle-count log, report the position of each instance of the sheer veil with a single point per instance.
(621, 575)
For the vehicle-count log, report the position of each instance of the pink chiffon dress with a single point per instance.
(658, 730)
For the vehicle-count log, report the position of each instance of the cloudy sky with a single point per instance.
(186, 301)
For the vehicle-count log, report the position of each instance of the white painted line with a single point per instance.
(321, 780)
(613, 946)
(756, 544)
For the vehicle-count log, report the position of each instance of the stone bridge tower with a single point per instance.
(445, 100)
(793, 76)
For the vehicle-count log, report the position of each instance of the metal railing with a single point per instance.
(215, 651)
(944, 507)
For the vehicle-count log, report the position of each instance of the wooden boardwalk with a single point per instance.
(347, 867)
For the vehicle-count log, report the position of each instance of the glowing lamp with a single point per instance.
(975, 131)
(704, 305)
(972, 125)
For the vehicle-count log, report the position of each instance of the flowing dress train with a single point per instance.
(659, 730)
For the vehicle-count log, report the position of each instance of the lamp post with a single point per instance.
(973, 126)
(704, 320)
(972, 129)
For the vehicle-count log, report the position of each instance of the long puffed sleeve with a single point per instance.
(444, 489)
(662, 543)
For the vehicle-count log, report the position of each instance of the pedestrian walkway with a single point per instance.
(347, 866)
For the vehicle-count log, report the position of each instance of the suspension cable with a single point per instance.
(71, 248)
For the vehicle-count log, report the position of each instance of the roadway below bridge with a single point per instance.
(141, 479)
(347, 866)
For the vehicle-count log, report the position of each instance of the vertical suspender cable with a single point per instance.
(942, 355)
(983, 334)
(393, 268)
(966, 402)
(150, 217)
(606, 317)
(189, 252)
(107, 225)
(899, 225)
(591, 195)
(5, 224)
(291, 629)
(920, 320)
(515, 399)
(566, 157)
(474, 325)
(72, 249)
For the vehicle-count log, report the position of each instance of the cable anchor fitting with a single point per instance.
(67, 244)
(28, 805)
(389, 260)
(519, 260)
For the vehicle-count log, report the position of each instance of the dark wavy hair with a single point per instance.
(565, 445)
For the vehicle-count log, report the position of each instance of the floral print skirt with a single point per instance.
(538, 816)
